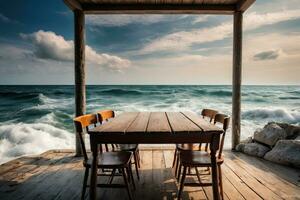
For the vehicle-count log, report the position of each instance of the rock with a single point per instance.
(270, 134)
(247, 140)
(286, 152)
(292, 131)
(254, 149)
(240, 147)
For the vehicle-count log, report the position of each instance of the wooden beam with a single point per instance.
(73, 4)
(139, 8)
(79, 46)
(237, 78)
(243, 5)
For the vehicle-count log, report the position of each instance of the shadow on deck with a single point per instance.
(58, 175)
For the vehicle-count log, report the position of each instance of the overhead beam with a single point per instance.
(237, 78)
(138, 8)
(73, 4)
(79, 43)
(243, 5)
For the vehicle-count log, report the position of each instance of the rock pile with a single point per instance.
(276, 142)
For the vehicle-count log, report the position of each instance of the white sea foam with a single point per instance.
(25, 139)
(275, 114)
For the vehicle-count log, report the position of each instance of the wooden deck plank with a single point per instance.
(58, 175)
(255, 184)
(180, 124)
(270, 180)
(158, 123)
(23, 172)
(40, 180)
(158, 164)
(239, 184)
(146, 176)
(169, 180)
(288, 175)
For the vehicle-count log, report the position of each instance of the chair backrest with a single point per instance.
(223, 119)
(209, 113)
(82, 124)
(105, 115)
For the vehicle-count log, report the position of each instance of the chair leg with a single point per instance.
(136, 165)
(179, 171)
(126, 183)
(182, 182)
(138, 157)
(175, 158)
(85, 179)
(220, 181)
(177, 164)
(131, 176)
(112, 176)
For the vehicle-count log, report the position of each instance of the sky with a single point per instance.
(36, 46)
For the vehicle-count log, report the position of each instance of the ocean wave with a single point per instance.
(273, 114)
(121, 92)
(19, 95)
(24, 139)
(292, 98)
(219, 93)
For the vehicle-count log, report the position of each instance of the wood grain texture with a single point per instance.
(119, 124)
(181, 124)
(58, 175)
(202, 123)
(237, 78)
(159, 6)
(140, 124)
(158, 123)
(79, 45)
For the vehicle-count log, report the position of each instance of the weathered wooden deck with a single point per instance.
(58, 175)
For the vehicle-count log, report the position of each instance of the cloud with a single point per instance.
(267, 55)
(183, 40)
(48, 45)
(5, 19)
(123, 20)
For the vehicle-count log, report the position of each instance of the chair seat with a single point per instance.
(112, 159)
(183, 147)
(197, 158)
(126, 147)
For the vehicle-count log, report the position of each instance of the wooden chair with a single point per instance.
(120, 161)
(206, 113)
(188, 159)
(105, 115)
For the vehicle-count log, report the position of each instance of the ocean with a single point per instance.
(38, 118)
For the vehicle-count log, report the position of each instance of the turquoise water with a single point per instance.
(37, 118)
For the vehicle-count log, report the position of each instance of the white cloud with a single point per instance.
(48, 45)
(184, 39)
(254, 20)
(122, 20)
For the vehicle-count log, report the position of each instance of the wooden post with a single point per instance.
(79, 46)
(237, 78)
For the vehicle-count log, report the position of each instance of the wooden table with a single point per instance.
(155, 128)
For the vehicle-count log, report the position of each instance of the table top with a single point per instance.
(156, 122)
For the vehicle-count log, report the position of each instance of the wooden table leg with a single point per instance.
(214, 175)
(93, 183)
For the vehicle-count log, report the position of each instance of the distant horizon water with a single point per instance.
(36, 118)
